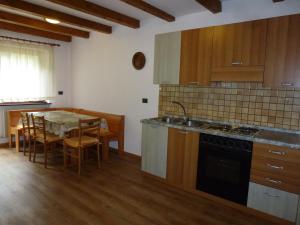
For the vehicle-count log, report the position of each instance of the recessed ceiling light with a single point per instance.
(53, 21)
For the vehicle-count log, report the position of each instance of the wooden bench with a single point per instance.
(115, 123)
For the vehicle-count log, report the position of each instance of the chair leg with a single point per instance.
(24, 144)
(34, 150)
(10, 140)
(46, 155)
(98, 154)
(65, 156)
(29, 148)
(79, 161)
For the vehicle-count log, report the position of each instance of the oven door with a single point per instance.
(224, 172)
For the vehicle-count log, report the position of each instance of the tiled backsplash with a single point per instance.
(247, 103)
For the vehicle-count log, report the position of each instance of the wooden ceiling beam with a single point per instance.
(215, 6)
(41, 25)
(99, 11)
(150, 9)
(35, 32)
(63, 17)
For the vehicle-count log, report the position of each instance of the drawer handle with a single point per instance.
(271, 196)
(194, 83)
(287, 84)
(183, 132)
(276, 152)
(275, 167)
(274, 181)
(237, 63)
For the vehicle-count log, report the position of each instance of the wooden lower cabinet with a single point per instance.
(154, 149)
(182, 160)
(272, 201)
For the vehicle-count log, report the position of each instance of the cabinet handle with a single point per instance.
(276, 152)
(237, 63)
(183, 132)
(194, 83)
(154, 126)
(287, 84)
(274, 181)
(275, 167)
(271, 196)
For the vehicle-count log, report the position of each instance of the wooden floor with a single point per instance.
(116, 194)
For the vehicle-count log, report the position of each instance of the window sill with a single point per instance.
(25, 103)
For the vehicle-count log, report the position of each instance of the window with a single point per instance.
(26, 72)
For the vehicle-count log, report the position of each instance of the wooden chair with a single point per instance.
(27, 132)
(82, 142)
(40, 135)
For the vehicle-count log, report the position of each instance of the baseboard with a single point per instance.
(127, 155)
(133, 156)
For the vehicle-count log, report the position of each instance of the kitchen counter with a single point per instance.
(265, 135)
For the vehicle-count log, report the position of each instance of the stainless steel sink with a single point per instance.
(171, 120)
(180, 121)
(193, 123)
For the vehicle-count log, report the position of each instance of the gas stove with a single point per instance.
(220, 127)
(246, 131)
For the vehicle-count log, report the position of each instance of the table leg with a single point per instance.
(121, 146)
(105, 149)
(17, 137)
(10, 140)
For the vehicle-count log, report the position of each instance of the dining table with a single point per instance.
(62, 122)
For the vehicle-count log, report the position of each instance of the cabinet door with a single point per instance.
(154, 149)
(272, 201)
(283, 52)
(167, 58)
(182, 158)
(196, 52)
(239, 51)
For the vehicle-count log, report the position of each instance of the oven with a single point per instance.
(224, 167)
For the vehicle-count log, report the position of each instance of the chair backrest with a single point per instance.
(39, 126)
(25, 123)
(89, 125)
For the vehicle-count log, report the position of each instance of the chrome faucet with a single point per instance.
(183, 108)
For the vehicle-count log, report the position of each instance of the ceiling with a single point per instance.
(175, 8)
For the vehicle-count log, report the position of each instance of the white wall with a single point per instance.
(62, 66)
(104, 80)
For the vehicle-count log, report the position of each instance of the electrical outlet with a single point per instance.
(60, 93)
(144, 100)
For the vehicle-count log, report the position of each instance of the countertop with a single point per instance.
(265, 135)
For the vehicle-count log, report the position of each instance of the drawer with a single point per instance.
(277, 167)
(275, 180)
(272, 201)
(276, 152)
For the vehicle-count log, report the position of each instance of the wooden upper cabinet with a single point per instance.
(182, 159)
(196, 52)
(239, 51)
(167, 58)
(283, 52)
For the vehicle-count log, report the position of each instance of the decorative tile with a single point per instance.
(247, 103)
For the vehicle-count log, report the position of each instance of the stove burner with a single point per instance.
(245, 130)
(221, 127)
(230, 129)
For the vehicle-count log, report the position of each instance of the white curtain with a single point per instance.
(26, 72)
